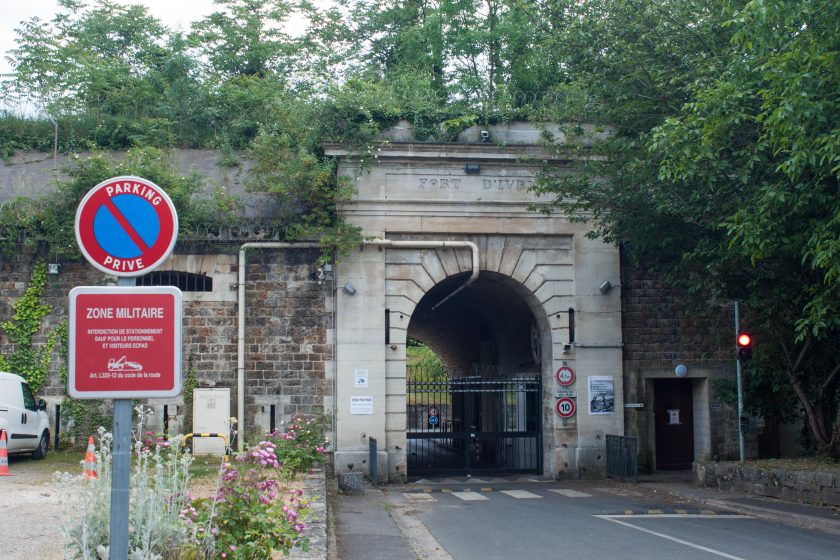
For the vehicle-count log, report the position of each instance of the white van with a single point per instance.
(25, 421)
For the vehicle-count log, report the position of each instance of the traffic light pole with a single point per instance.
(740, 391)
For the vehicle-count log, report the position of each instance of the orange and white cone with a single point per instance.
(90, 461)
(4, 455)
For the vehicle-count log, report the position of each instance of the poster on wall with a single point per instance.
(601, 394)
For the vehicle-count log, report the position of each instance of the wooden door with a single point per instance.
(674, 421)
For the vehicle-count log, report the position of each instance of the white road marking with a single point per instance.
(470, 496)
(418, 497)
(722, 554)
(569, 493)
(521, 494)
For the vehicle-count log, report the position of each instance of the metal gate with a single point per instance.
(477, 424)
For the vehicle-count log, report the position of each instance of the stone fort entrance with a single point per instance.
(505, 296)
(484, 415)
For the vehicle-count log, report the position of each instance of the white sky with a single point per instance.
(173, 13)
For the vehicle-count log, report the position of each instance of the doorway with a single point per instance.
(673, 413)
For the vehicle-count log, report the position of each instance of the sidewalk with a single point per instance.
(364, 530)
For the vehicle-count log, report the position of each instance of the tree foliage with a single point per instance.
(723, 168)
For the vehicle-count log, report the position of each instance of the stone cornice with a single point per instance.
(528, 153)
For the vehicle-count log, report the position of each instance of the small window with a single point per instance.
(185, 281)
(571, 326)
(28, 398)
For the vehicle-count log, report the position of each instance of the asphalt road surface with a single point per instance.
(587, 520)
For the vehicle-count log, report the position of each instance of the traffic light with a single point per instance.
(744, 343)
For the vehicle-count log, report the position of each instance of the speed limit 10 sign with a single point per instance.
(565, 407)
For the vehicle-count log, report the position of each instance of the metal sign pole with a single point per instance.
(120, 474)
(740, 390)
(120, 470)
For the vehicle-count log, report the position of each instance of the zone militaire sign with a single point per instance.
(125, 342)
(126, 226)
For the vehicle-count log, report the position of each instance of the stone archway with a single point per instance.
(484, 416)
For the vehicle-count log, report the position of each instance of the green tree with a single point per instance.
(722, 171)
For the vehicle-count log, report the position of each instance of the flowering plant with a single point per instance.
(300, 445)
(247, 517)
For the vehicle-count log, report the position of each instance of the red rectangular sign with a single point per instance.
(125, 342)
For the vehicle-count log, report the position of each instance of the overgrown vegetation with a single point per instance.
(422, 362)
(27, 359)
(721, 173)
(253, 511)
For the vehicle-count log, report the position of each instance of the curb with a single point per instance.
(770, 514)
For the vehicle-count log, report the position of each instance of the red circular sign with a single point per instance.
(565, 376)
(565, 407)
(126, 226)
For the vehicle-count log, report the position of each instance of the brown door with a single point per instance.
(673, 416)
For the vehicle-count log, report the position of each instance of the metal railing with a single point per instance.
(622, 460)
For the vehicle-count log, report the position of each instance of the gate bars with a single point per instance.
(463, 425)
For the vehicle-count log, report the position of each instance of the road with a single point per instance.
(582, 520)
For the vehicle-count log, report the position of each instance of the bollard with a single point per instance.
(374, 467)
(351, 483)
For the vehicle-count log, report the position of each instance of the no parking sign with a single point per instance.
(126, 226)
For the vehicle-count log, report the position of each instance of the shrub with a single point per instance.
(158, 495)
(250, 516)
(300, 445)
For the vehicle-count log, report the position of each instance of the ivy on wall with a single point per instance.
(27, 359)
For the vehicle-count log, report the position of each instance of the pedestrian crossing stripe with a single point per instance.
(419, 497)
(567, 492)
(521, 494)
(470, 496)
(570, 493)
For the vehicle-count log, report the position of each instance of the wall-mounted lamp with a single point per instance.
(607, 286)
(485, 135)
(681, 370)
(323, 273)
(53, 268)
(472, 169)
(348, 288)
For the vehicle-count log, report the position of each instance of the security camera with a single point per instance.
(605, 287)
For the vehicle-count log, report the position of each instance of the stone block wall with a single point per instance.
(809, 487)
(658, 333)
(287, 318)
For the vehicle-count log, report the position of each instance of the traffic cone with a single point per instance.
(4, 455)
(90, 461)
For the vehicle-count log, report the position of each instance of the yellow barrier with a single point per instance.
(191, 435)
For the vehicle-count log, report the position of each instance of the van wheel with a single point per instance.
(41, 451)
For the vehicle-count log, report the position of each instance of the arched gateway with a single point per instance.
(505, 296)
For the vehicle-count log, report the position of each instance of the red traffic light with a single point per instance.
(744, 347)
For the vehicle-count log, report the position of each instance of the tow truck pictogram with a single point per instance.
(122, 364)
